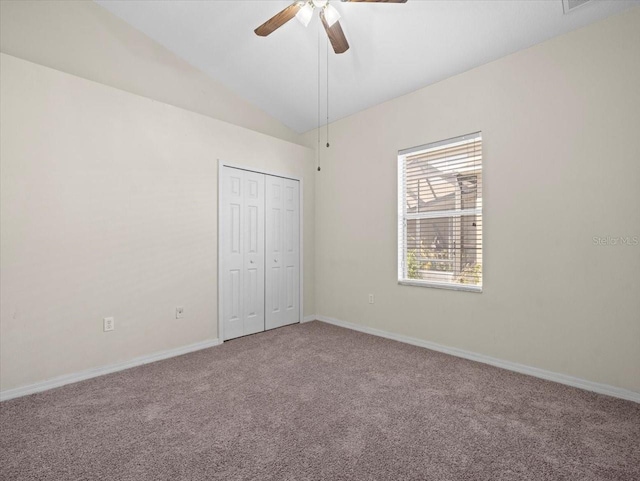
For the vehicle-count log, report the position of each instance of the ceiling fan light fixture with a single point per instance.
(304, 14)
(331, 15)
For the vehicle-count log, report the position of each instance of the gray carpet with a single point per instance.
(317, 402)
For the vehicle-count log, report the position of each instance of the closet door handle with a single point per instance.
(250, 262)
(275, 260)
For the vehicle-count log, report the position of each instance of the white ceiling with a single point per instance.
(395, 48)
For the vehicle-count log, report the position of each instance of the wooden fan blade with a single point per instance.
(278, 20)
(377, 1)
(336, 35)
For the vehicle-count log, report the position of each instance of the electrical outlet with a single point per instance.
(179, 312)
(108, 324)
(370, 298)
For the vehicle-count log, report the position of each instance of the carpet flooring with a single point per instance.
(318, 402)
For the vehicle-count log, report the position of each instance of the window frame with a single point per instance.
(403, 217)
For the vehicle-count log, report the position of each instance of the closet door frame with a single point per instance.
(234, 165)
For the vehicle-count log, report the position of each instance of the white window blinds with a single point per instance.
(440, 214)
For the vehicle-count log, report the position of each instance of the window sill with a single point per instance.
(439, 285)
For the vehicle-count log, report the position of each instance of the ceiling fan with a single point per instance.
(303, 11)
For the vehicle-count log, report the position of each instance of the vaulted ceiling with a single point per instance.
(395, 48)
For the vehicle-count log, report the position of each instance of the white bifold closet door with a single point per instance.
(282, 281)
(259, 252)
(242, 252)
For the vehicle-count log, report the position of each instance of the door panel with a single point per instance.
(251, 301)
(275, 290)
(291, 254)
(290, 288)
(282, 252)
(242, 252)
(234, 227)
(273, 252)
(254, 252)
(231, 277)
(252, 235)
(234, 295)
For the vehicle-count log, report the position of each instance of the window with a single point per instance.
(440, 214)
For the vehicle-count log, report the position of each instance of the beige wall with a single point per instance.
(108, 208)
(560, 128)
(82, 38)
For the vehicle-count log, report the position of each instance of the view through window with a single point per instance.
(440, 214)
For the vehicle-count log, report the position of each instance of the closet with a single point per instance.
(259, 256)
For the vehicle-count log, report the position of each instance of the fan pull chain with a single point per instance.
(327, 92)
(318, 126)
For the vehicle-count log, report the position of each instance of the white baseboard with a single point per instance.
(100, 371)
(511, 366)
